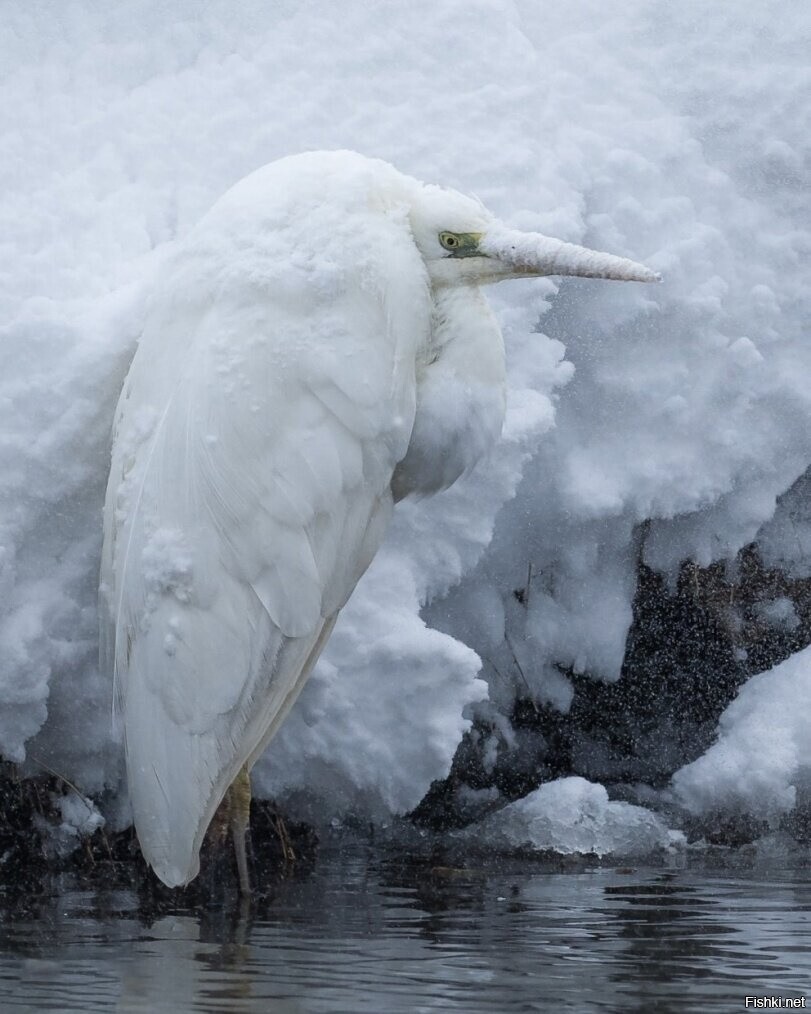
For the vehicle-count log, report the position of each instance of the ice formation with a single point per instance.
(572, 815)
(642, 425)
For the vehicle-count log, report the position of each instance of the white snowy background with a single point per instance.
(674, 133)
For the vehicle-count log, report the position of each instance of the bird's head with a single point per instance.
(462, 243)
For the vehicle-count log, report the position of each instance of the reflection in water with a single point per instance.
(361, 931)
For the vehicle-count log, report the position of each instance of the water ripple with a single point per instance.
(359, 935)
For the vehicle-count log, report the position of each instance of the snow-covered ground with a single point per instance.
(677, 134)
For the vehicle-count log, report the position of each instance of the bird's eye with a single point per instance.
(461, 244)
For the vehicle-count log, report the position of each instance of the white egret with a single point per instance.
(317, 348)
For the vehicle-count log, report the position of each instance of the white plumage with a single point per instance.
(317, 348)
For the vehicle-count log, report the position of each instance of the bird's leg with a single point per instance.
(239, 800)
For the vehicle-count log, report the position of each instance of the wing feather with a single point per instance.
(253, 451)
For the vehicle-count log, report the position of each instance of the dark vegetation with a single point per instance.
(688, 652)
(277, 848)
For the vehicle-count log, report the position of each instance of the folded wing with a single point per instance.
(255, 442)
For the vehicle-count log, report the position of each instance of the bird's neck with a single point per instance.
(466, 334)
(461, 379)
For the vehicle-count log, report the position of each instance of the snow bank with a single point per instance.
(671, 133)
(569, 816)
(688, 407)
(763, 755)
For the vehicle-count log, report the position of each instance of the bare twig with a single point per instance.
(522, 673)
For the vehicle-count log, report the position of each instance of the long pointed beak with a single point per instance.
(523, 254)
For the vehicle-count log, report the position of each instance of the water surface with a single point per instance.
(364, 931)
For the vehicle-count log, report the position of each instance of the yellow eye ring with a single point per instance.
(449, 240)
